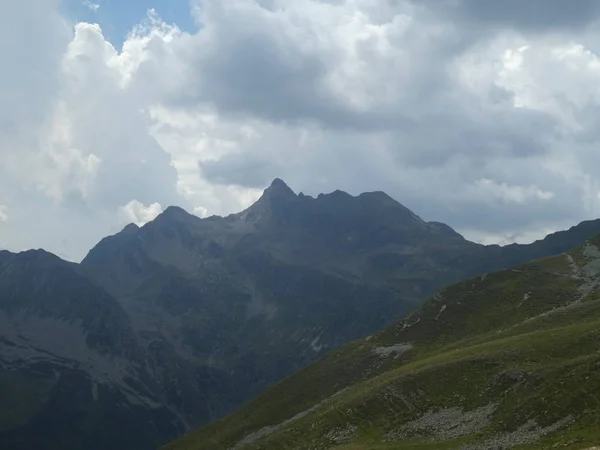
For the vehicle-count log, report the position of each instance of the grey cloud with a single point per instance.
(496, 216)
(253, 65)
(428, 141)
(442, 137)
(244, 169)
(487, 16)
(67, 229)
(249, 64)
(28, 84)
(251, 77)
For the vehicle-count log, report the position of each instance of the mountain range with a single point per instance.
(169, 326)
(505, 360)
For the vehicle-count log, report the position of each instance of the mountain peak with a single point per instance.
(379, 196)
(175, 213)
(279, 188)
(172, 210)
(130, 229)
(36, 258)
(277, 196)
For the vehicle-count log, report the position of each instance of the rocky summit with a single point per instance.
(169, 326)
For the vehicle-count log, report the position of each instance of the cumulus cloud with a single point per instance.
(138, 213)
(469, 113)
(75, 140)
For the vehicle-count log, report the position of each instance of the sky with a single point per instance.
(477, 113)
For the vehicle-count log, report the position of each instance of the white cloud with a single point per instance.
(494, 133)
(3, 213)
(75, 142)
(509, 236)
(94, 7)
(512, 194)
(200, 211)
(138, 213)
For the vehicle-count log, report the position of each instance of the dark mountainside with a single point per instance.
(169, 326)
(506, 360)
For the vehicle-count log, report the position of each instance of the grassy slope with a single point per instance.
(523, 343)
(22, 396)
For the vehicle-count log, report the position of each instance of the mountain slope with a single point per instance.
(70, 368)
(505, 360)
(247, 299)
(250, 298)
(172, 325)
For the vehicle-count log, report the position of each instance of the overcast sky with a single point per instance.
(483, 114)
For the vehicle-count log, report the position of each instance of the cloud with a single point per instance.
(512, 194)
(93, 7)
(479, 116)
(75, 142)
(200, 211)
(309, 61)
(533, 15)
(3, 213)
(138, 213)
(507, 237)
(407, 98)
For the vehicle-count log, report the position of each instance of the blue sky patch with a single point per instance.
(118, 17)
